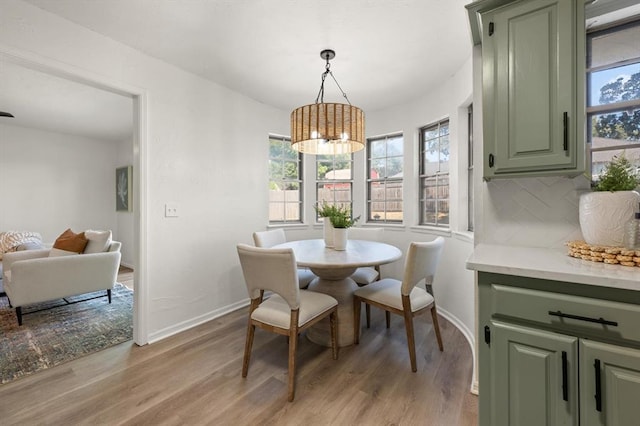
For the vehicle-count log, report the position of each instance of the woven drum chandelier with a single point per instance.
(327, 128)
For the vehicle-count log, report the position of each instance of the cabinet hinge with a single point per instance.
(487, 335)
(490, 29)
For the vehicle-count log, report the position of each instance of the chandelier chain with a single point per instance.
(320, 96)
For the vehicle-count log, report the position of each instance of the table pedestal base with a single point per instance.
(342, 289)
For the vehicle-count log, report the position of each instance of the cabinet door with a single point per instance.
(534, 377)
(529, 81)
(609, 384)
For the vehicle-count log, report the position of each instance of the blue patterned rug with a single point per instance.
(62, 333)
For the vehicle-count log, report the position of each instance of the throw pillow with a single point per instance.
(54, 252)
(70, 241)
(98, 241)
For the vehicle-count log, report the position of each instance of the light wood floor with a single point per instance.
(194, 378)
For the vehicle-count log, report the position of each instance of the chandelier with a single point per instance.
(327, 128)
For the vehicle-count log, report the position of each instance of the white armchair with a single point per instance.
(32, 276)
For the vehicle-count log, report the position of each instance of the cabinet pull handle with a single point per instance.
(491, 28)
(565, 377)
(491, 160)
(598, 394)
(581, 318)
(565, 125)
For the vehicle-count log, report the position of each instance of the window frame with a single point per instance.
(470, 194)
(384, 180)
(422, 176)
(610, 108)
(300, 181)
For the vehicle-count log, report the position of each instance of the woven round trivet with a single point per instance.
(605, 254)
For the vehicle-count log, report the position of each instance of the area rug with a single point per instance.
(62, 333)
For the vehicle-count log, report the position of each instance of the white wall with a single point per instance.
(51, 182)
(202, 154)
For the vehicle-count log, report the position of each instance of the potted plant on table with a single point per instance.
(325, 211)
(342, 220)
(604, 212)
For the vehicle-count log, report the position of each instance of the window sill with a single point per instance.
(288, 226)
(445, 232)
(466, 236)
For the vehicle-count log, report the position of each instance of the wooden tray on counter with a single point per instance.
(605, 254)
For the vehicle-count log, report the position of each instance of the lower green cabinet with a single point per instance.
(556, 353)
(610, 384)
(534, 376)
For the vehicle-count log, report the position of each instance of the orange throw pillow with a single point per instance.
(70, 241)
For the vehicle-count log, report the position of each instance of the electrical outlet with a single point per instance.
(170, 210)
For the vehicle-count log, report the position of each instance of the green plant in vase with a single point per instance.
(618, 175)
(342, 220)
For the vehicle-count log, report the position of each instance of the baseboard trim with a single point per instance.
(186, 325)
(470, 339)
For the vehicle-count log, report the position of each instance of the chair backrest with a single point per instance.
(114, 246)
(422, 263)
(270, 269)
(368, 234)
(268, 239)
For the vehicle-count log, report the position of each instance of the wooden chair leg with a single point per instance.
(387, 316)
(247, 348)
(436, 326)
(333, 319)
(293, 344)
(408, 325)
(367, 309)
(357, 302)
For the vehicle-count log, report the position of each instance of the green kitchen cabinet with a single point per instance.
(533, 74)
(557, 353)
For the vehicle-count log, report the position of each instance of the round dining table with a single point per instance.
(334, 268)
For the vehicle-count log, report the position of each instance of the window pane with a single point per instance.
(614, 45)
(444, 153)
(615, 128)
(377, 148)
(430, 211)
(443, 212)
(285, 181)
(384, 197)
(434, 167)
(615, 84)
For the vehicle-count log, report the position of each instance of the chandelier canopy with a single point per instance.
(327, 128)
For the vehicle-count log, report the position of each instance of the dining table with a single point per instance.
(334, 269)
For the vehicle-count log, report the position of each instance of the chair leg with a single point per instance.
(387, 316)
(293, 344)
(247, 348)
(333, 319)
(436, 326)
(367, 308)
(356, 319)
(109, 295)
(408, 325)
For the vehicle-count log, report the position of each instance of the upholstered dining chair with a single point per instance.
(289, 310)
(405, 297)
(268, 239)
(367, 274)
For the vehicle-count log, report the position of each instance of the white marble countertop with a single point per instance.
(551, 264)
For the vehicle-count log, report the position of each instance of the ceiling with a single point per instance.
(387, 52)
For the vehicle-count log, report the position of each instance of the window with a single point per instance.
(613, 95)
(434, 174)
(334, 180)
(470, 169)
(384, 179)
(285, 181)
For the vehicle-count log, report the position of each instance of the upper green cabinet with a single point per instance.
(533, 62)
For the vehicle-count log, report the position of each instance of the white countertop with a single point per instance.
(551, 264)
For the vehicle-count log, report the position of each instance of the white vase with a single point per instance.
(328, 232)
(603, 215)
(340, 238)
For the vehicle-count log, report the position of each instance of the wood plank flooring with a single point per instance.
(194, 378)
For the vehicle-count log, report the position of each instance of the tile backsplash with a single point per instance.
(534, 212)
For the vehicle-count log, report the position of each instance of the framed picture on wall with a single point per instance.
(124, 195)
